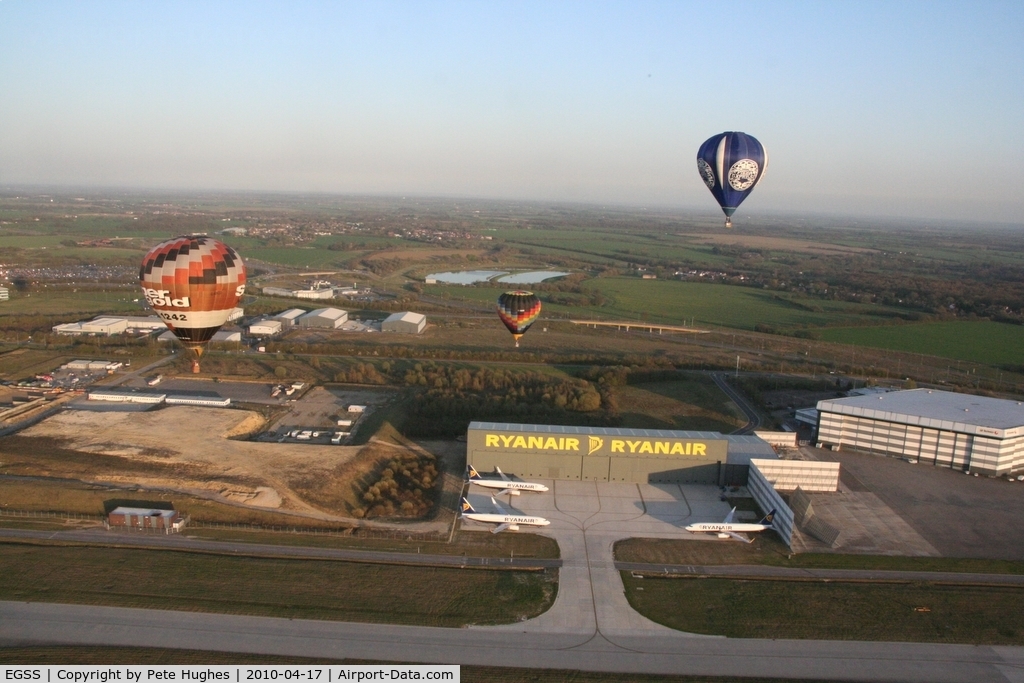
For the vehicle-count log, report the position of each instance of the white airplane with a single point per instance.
(503, 520)
(505, 484)
(731, 529)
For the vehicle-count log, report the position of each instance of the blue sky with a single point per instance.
(889, 108)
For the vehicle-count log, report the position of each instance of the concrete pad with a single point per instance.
(587, 518)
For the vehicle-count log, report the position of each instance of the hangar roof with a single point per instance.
(932, 408)
(406, 317)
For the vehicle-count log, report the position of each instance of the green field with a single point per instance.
(46, 301)
(675, 302)
(978, 341)
(336, 591)
(913, 612)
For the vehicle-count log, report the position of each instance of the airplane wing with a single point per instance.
(728, 517)
(503, 510)
(503, 492)
(503, 477)
(740, 537)
(501, 527)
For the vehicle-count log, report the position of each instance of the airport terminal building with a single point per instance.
(614, 455)
(974, 434)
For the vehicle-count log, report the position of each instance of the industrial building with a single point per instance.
(218, 336)
(406, 322)
(327, 318)
(323, 293)
(605, 454)
(113, 324)
(974, 434)
(5, 294)
(93, 365)
(126, 396)
(104, 326)
(290, 317)
(198, 400)
(265, 328)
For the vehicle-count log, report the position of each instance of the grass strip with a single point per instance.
(330, 590)
(912, 611)
(768, 550)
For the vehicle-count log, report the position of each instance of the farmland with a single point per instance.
(985, 342)
(873, 300)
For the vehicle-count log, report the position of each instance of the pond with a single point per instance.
(465, 277)
(532, 277)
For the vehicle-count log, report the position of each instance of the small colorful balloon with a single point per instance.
(518, 310)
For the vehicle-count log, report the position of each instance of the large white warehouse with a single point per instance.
(974, 434)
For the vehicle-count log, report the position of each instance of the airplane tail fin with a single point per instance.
(473, 474)
(466, 506)
(769, 519)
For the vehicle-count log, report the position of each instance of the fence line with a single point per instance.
(355, 531)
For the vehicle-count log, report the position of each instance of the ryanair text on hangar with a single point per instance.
(594, 444)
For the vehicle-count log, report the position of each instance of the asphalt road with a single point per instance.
(24, 624)
(753, 417)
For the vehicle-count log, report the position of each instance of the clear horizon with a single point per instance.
(874, 109)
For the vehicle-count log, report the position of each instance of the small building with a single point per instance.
(406, 322)
(329, 318)
(290, 317)
(146, 518)
(278, 291)
(649, 276)
(218, 336)
(126, 396)
(314, 293)
(104, 326)
(5, 294)
(265, 328)
(144, 323)
(226, 336)
(198, 400)
(356, 409)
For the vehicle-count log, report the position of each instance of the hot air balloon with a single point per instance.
(193, 282)
(731, 164)
(518, 310)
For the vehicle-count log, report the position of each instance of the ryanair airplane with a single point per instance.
(505, 484)
(504, 520)
(729, 529)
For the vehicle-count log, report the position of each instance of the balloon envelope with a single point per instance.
(193, 282)
(731, 164)
(518, 310)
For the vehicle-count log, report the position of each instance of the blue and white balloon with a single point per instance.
(731, 164)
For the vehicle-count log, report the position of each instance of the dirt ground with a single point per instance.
(190, 449)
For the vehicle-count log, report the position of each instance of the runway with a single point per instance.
(590, 627)
(24, 624)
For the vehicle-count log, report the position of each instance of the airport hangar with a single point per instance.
(974, 434)
(647, 456)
